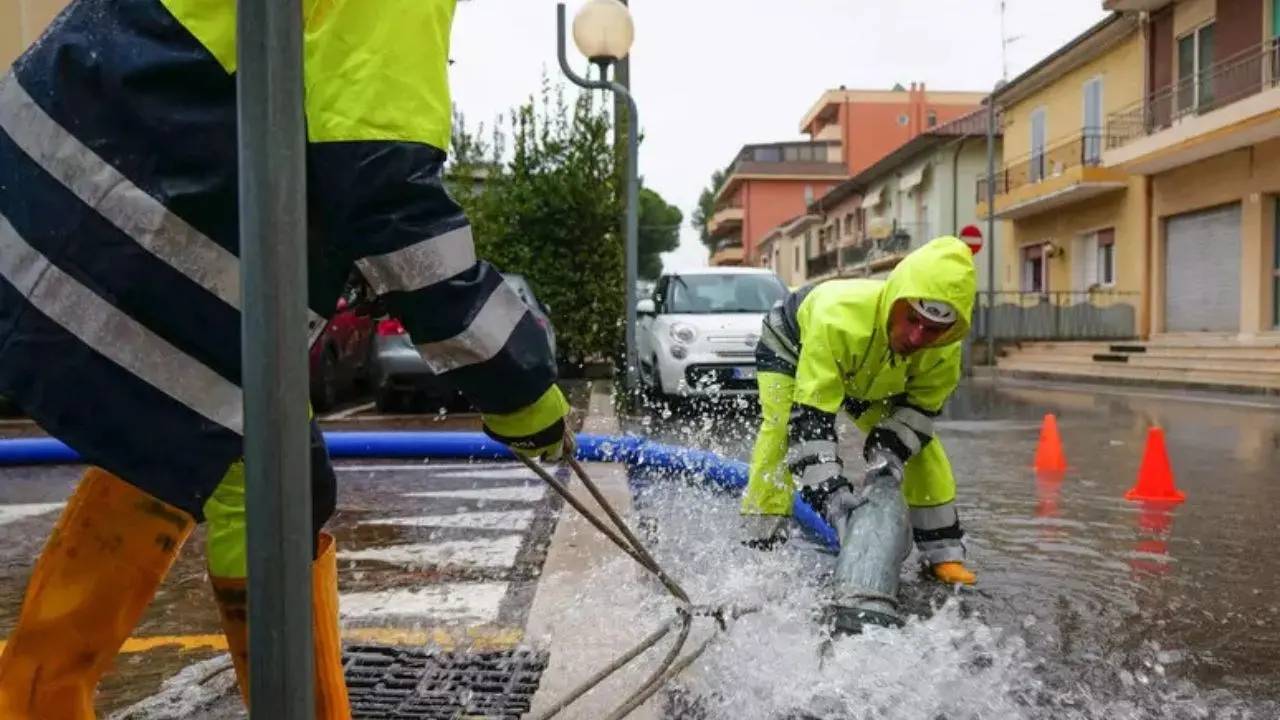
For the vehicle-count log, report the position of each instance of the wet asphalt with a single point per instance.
(1100, 586)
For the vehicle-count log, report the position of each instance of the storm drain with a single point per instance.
(391, 683)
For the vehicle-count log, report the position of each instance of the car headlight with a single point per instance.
(683, 334)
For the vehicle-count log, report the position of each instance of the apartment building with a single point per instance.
(785, 249)
(1156, 237)
(919, 191)
(1205, 137)
(1074, 228)
(847, 131)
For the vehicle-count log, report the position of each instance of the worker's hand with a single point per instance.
(536, 431)
(832, 500)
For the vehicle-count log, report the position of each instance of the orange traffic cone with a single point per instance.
(1155, 475)
(1049, 455)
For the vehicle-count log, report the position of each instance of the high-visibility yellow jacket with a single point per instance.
(119, 237)
(838, 330)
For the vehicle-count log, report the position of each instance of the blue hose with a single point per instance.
(634, 451)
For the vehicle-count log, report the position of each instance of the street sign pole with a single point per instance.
(273, 222)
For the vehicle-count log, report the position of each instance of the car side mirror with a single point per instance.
(645, 306)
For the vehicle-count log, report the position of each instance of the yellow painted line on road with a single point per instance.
(482, 638)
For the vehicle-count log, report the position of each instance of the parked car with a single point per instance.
(697, 335)
(401, 378)
(340, 357)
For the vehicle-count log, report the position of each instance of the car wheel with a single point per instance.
(386, 400)
(326, 394)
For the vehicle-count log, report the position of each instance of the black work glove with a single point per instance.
(832, 500)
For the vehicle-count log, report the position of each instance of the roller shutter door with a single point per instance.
(1202, 271)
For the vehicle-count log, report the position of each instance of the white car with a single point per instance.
(697, 335)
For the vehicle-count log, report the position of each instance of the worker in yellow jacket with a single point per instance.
(120, 299)
(888, 353)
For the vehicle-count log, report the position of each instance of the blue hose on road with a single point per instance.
(632, 450)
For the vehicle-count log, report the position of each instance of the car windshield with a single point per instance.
(727, 293)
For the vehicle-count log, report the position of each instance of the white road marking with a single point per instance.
(476, 603)
(14, 513)
(344, 414)
(513, 520)
(499, 552)
(517, 493)
(514, 473)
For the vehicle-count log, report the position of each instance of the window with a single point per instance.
(903, 120)
(796, 260)
(931, 119)
(1091, 133)
(808, 195)
(1034, 278)
(1195, 61)
(1106, 240)
(725, 293)
(1039, 136)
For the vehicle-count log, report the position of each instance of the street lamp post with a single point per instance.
(603, 32)
(990, 313)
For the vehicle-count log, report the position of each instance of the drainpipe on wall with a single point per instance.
(955, 186)
(1148, 201)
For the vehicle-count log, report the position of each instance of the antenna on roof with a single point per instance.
(1005, 41)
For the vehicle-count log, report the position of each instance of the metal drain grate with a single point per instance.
(396, 683)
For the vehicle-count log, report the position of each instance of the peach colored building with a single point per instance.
(848, 131)
(21, 22)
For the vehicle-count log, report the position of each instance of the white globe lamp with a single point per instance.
(603, 31)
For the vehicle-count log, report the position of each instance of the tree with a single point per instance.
(707, 207)
(550, 212)
(659, 232)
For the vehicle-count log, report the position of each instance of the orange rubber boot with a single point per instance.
(954, 572)
(100, 569)
(332, 702)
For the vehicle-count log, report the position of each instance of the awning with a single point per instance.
(912, 179)
(873, 198)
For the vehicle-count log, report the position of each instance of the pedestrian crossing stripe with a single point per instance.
(483, 638)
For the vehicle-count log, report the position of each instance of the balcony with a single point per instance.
(1133, 6)
(727, 218)
(1231, 105)
(1064, 173)
(794, 159)
(729, 252)
(881, 249)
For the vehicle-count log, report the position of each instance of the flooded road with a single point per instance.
(1088, 605)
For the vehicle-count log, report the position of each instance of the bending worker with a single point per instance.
(888, 353)
(120, 299)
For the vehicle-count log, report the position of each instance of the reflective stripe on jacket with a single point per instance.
(119, 271)
(841, 332)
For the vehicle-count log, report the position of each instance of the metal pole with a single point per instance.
(273, 222)
(991, 226)
(633, 192)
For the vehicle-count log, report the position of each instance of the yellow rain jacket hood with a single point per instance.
(844, 333)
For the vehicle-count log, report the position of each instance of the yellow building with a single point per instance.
(1206, 135)
(1142, 210)
(1074, 232)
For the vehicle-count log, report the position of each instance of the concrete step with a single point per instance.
(1138, 374)
(1210, 340)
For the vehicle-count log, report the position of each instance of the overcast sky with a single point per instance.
(712, 75)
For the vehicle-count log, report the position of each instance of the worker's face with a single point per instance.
(909, 331)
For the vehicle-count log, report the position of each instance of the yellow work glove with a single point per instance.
(536, 431)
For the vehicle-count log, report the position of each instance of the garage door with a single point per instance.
(1202, 271)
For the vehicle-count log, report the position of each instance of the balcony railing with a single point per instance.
(822, 264)
(728, 244)
(798, 158)
(730, 204)
(1075, 315)
(1238, 77)
(1083, 149)
(852, 258)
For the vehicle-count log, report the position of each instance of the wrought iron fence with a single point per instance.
(1083, 149)
(1066, 315)
(1235, 78)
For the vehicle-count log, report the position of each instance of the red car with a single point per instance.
(340, 359)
